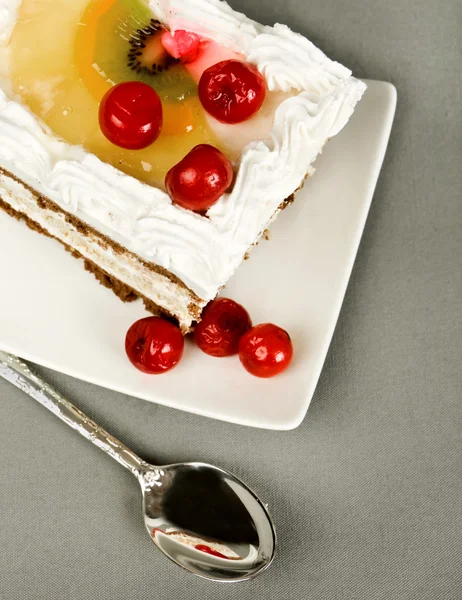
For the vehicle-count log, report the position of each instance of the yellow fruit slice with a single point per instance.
(85, 44)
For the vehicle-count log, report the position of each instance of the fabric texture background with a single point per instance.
(367, 493)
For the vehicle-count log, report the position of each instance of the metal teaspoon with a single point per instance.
(203, 518)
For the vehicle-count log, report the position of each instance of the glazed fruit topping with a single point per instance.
(130, 115)
(223, 324)
(182, 45)
(232, 91)
(266, 350)
(200, 179)
(154, 345)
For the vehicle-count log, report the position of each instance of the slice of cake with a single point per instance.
(264, 97)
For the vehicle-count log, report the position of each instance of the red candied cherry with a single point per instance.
(183, 45)
(200, 179)
(232, 91)
(154, 345)
(130, 115)
(266, 350)
(223, 324)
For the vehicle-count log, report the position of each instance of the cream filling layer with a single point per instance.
(154, 286)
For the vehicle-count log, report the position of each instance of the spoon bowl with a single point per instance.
(207, 521)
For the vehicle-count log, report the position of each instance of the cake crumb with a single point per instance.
(266, 235)
(246, 256)
(288, 201)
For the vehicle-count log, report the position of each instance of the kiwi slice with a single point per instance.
(147, 52)
(128, 47)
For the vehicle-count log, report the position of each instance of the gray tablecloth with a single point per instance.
(367, 493)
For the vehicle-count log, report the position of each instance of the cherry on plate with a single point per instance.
(200, 179)
(131, 116)
(223, 324)
(154, 345)
(266, 350)
(232, 91)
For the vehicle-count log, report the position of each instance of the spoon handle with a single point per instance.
(18, 373)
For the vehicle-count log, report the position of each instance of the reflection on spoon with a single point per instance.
(201, 545)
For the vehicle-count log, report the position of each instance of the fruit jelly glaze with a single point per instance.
(64, 61)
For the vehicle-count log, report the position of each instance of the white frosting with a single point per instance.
(202, 252)
(8, 10)
(276, 50)
(213, 19)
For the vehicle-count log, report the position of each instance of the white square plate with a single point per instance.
(55, 314)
